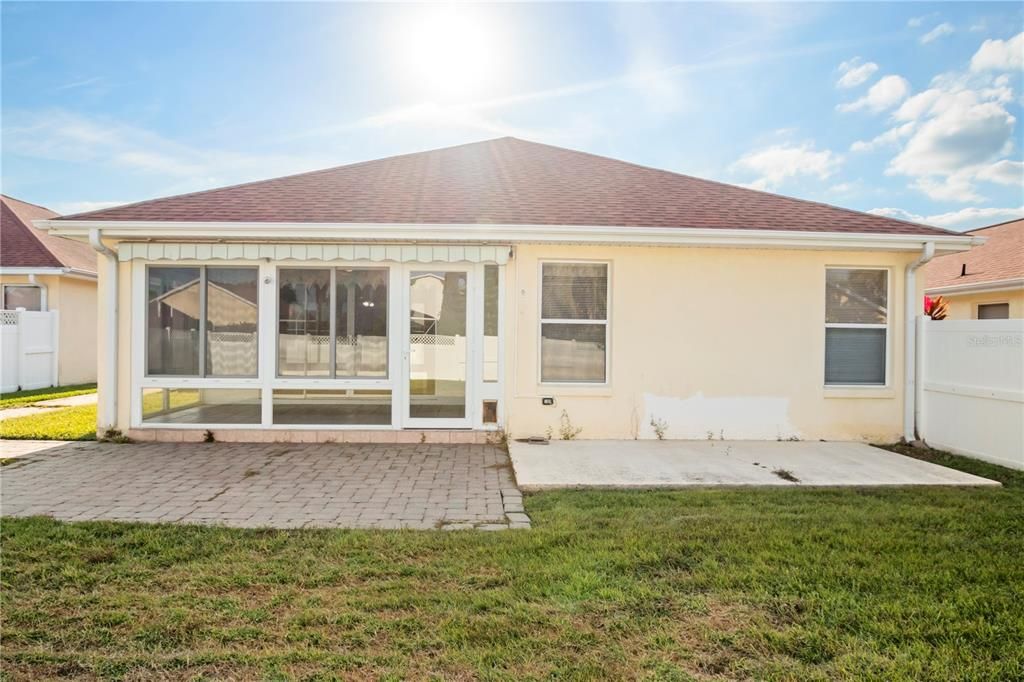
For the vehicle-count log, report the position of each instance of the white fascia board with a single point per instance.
(978, 287)
(31, 271)
(504, 234)
(49, 272)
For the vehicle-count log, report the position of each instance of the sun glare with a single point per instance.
(447, 54)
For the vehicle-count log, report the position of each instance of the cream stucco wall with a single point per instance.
(719, 343)
(965, 306)
(75, 298)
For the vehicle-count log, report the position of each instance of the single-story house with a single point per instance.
(985, 283)
(42, 272)
(448, 294)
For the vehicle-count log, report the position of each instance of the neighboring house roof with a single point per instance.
(999, 260)
(506, 181)
(24, 246)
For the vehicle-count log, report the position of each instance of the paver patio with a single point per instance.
(267, 485)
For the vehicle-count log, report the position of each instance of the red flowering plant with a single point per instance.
(935, 308)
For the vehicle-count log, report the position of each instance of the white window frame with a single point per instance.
(474, 345)
(333, 376)
(978, 307)
(844, 325)
(543, 320)
(329, 383)
(203, 319)
(42, 295)
(267, 380)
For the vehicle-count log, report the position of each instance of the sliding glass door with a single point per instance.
(439, 353)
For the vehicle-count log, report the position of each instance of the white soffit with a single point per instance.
(319, 252)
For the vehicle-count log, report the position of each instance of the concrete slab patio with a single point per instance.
(251, 485)
(655, 464)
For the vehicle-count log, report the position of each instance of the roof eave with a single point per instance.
(500, 233)
(978, 287)
(47, 271)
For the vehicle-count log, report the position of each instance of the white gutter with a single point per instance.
(107, 417)
(43, 290)
(48, 272)
(913, 307)
(503, 233)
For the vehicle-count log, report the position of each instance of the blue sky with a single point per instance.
(907, 109)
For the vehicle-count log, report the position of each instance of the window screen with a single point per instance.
(27, 297)
(574, 322)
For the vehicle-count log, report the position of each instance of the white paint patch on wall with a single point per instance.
(700, 418)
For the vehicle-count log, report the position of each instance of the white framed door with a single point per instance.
(441, 339)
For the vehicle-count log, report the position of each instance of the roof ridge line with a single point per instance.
(986, 227)
(740, 187)
(22, 201)
(77, 216)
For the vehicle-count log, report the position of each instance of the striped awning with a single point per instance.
(321, 252)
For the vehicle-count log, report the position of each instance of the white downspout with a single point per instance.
(912, 306)
(43, 292)
(108, 397)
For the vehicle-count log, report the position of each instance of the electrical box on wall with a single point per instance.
(547, 401)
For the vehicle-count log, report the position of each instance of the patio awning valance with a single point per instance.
(321, 252)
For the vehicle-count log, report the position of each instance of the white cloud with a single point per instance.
(965, 218)
(69, 137)
(943, 29)
(958, 133)
(967, 133)
(886, 139)
(918, 22)
(1005, 172)
(80, 84)
(855, 72)
(956, 187)
(885, 94)
(959, 139)
(72, 207)
(778, 163)
(1000, 55)
(918, 105)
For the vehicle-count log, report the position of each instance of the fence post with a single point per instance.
(19, 313)
(920, 414)
(55, 345)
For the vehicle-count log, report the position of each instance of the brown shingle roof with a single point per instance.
(505, 181)
(998, 259)
(24, 246)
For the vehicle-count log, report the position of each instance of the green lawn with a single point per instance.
(784, 584)
(67, 423)
(22, 398)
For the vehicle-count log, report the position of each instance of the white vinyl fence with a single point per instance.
(972, 388)
(28, 349)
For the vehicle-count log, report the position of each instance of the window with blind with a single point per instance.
(994, 311)
(574, 323)
(856, 326)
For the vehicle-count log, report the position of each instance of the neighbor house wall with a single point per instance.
(965, 306)
(717, 343)
(75, 298)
